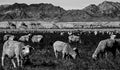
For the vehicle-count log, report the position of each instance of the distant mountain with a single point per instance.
(75, 15)
(93, 10)
(105, 11)
(3, 6)
(33, 11)
(7, 17)
(110, 9)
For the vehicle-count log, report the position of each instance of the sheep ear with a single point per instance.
(28, 46)
(74, 48)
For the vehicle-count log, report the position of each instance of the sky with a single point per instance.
(66, 4)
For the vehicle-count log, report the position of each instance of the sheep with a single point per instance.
(37, 38)
(61, 33)
(25, 37)
(63, 47)
(74, 38)
(105, 46)
(95, 32)
(112, 36)
(8, 36)
(14, 49)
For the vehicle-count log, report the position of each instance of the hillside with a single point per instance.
(105, 11)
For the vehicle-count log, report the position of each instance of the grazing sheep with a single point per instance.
(37, 38)
(112, 36)
(25, 37)
(105, 46)
(15, 49)
(74, 38)
(8, 36)
(11, 38)
(63, 47)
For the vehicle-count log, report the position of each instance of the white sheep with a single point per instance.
(63, 47)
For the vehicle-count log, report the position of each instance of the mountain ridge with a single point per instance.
(105, 11)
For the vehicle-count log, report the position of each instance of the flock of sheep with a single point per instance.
(18, 49)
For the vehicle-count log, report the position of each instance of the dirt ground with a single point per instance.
(43, 58)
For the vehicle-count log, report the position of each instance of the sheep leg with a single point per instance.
(18, 61)
(69, 41)
(21, 60)
(21, 63)
(27, 39)
(3, 56)
(13, 63)
(63, 55)
(56, 54)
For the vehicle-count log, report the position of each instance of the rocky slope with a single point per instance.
(105, 11)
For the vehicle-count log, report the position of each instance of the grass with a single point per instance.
(43, 58)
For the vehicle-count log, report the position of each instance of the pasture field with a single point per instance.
(57, 30)
(43, 58)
